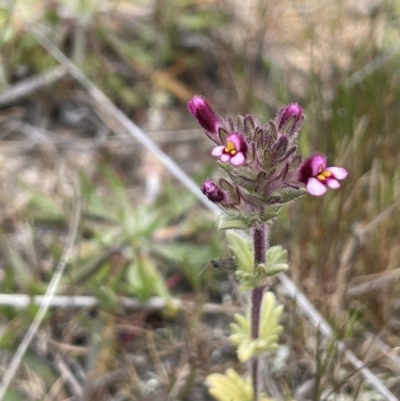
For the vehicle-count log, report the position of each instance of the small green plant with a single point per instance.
(264, 173)
(231, 386)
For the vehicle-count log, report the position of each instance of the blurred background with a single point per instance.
(74, 180)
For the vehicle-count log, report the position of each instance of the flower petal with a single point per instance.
(217, 151)
(315, 187)
(339, 173)
(225, 157)
(311, 167)
(197, 102)
(332, 183)
(318, 163)
(238, 159)
(238, 141)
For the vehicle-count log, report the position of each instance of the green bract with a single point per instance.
(269, 330)
(259, 159)
(241, 250)
(276, 262)
(231, 387)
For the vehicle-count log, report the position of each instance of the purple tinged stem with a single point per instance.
(260, 248)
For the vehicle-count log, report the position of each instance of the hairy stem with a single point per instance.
(260, 248)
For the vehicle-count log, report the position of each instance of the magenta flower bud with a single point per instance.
(213, 192)
(317, 176)
(202, 111)
(292, 110)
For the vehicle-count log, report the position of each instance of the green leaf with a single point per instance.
(227, 167)
(241, 250)
(276, 261)
(145, 279)
(229, 188)
(270, 212)
(276, 255)
(247, 173)
(269, 331)
(228, 221)
(231, 387)
(291, 194)
(189, 258)
(269, 326)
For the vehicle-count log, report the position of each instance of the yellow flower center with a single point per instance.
(230, 148)
(324, 175)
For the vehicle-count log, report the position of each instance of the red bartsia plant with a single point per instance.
(264, 172)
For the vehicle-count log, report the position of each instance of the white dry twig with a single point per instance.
(21, 301)
(68, 377)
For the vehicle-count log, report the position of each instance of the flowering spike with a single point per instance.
(292, 110)
(202, 111)
(317, 176)
(261, 162)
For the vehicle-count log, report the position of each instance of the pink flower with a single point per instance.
(234, 151)
(317, 176)
(202, 111)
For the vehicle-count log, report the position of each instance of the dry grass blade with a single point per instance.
(161, 370)
(180, 382)
(57, 387)
(99, 387)
(68, 376)
(51, 289)
(372, 282)
(377, 345)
